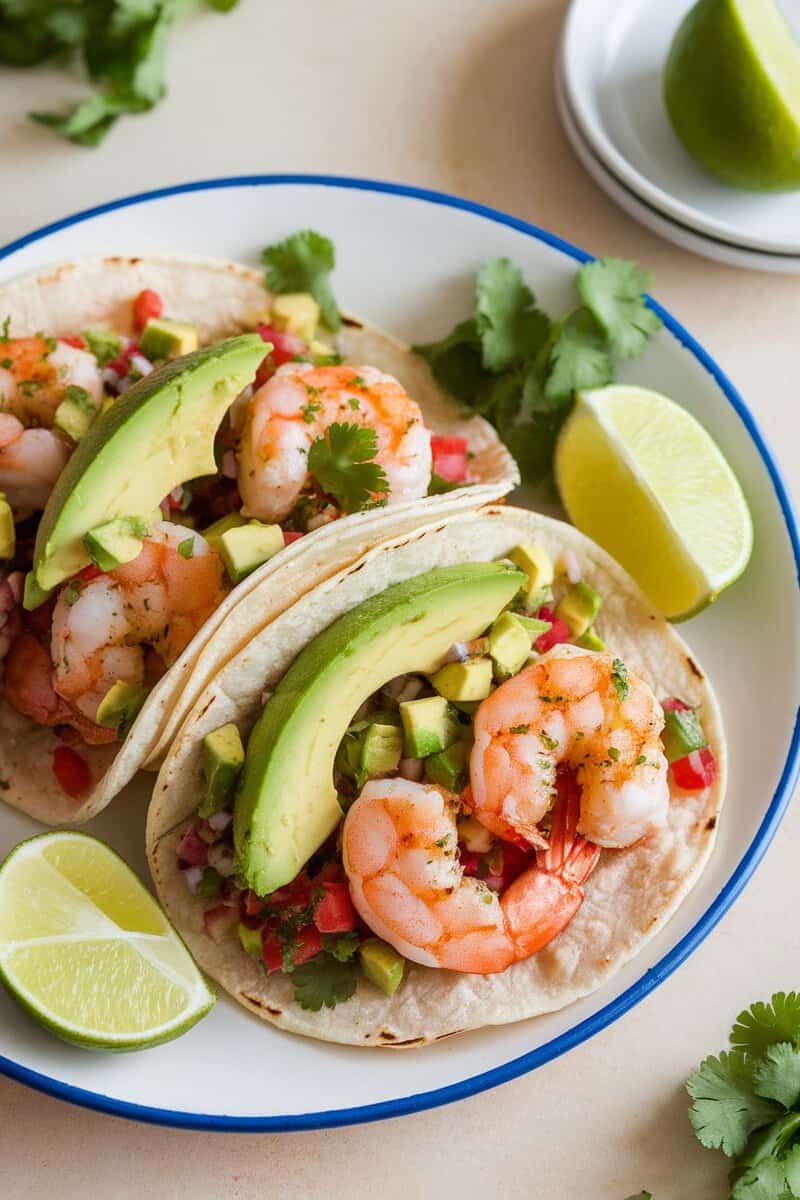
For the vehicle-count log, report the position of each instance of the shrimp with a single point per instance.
(31, 460)
(35, 373)
(298, 404)
(407, 884)
(157, 601)
(28, 687)
(584, 710)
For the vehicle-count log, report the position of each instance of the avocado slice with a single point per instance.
(8, 533)
(155, 436)
(168, 339)
(287, 804)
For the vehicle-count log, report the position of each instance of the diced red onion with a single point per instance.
(141, 364)
(403, 687)
(125, 383)
(221, 857)
(230, 468)
(193, 875)
(220, 820)
(110, 376)
(165, 509)
(412, 768)
(458, 652)
(568, 564)
(16, 581)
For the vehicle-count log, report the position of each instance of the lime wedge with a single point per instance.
(87, 951)
(732, 90)
(641, 476)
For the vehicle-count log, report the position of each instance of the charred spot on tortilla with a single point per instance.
(353, 322)
(711, 823)
(693, 667)
(418, 1041)
(387, 1036)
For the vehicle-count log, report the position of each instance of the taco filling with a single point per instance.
(263, 439)
(456, 821)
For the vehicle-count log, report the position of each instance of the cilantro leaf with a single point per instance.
(439, 486)
(323, 981)
(579, 357)
(510, 328)
(762, 1025)
(764, 1181)
(528, 420)
(612, 289)
(776, 1076)
(342, 945)
(791, 1166)
(726, 1110)
(341, 462)
(619, 677)
(457, 365)
(302, 263)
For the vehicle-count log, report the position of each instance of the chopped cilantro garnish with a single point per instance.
(548, 742)
(103, 344)
(302, 263)
(341, 460)
(80, 398)
(519, 729)
(520, 370)
(186, 548)
(641, 760)
(309, 411)
(613, 753)
(324, 980)
(357, 381)
(6, 326)
(6, 362)
(354, 404)
(72, 592)
(341, 945)
(619, 677)
(439, 486)
(29, 387)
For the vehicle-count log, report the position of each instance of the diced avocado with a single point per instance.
(250, 939)
(381, 750)
(157, 435)
(382, 965)
(245, 547)
(287, 804)
(213, 533)
(104, 344)
(682, 733)
(448, 768)
(470, 680)
(538, 567)
(509, 644)
(8, 533)
(296, 312)
(120, 706)
(223, 756)
(428, 726)
(579, 607)
(117, 542)
(590, 641)
(75, 413)
(168, 339)
(210, 884)
(534, 625)
(32, 594)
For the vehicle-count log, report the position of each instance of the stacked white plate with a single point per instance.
(609, 91)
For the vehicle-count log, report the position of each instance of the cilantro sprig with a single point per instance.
(303, 263)
(324, 981)
(520, 369)
(746, 1101)
(342, 462)
(121, 43)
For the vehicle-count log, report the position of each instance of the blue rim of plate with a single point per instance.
(651, 978)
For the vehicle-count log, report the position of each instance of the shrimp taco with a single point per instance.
(173, 435)
(457, 784)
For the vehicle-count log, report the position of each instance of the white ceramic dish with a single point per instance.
(652, 218)
(613, 57)
(408, 259)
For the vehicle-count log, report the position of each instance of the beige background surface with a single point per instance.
(454, 94)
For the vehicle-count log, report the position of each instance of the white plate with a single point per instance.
(614, 57)
(407, 258)
(652, 218)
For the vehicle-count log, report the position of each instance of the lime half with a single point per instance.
(641, 476)
(87, 951)
(732, 90)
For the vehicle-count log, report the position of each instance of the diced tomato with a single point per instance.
(289, 536)
(39, 620)
(285, 348)
(122, 363)
(89, 573)
(252, 904)
(271, 951)
(695, 771)
(309, 944)
(449, 457)
(75, 340)
(332, 872)
(71, 771)
(147, 305)
(469, 861)
(334, 913)
(558, 632)
(192, 849)
(219, 920)
(515, 860)
(296, 894)
(675, 705)
(67, 735)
